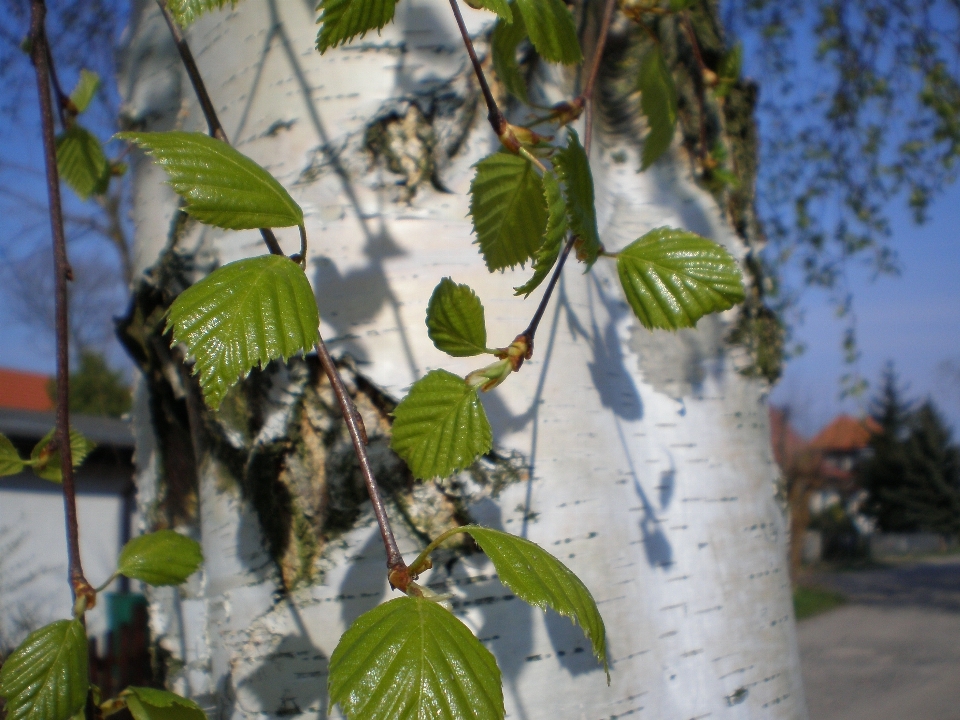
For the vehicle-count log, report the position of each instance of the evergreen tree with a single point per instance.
(883, 473)
(930, 493)
(96, 388)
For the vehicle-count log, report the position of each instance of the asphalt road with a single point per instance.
(891, 653)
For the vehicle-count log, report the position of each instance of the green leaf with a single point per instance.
(455, 320)
(504, 42)
(85, 91)
(552, 30)
(411, 659)
(508, 209)
(553, 237)
(186, 11)
(343, 20)
(164, 557)
(537, 577)
(81, 162)
(500, 7)
(573, 167)
(729, 70)
(46, 678)
(672, 278)
(222, 187)
(244, 314)
(150, 704)
(10, 462)
(658, 101)
(440, 426)
(46, 462)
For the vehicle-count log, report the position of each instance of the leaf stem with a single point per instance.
(494, 115)
(40, 56)
(398, 572)
(420, 564)
(206, 104)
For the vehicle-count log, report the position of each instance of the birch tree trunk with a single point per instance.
(641, 460)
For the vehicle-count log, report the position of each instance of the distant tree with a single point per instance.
(883, 473)
(930, 492)
(96, 388)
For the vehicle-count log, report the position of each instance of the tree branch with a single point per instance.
(494, 115)
(206, 104)
(701, 100)
(587, 94)
(40, 56)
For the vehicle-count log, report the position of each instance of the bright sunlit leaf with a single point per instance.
(440, 427)
(221, 186)
(343, 20)
(81, 162)
(164, 557)
(538, 578)
(243, 315)
(46, 678)
(455, 320)
(553, 237)
(186, 11)
(672, 278)
(508, 208)
(411, 659)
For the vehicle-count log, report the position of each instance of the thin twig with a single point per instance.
(587, 94)
(531, 330)
(39, 54)
(359, 436)
(206, 104)
(494, 115)
(398, 575)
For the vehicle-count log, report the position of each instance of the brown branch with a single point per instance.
(206, 104)
(528, 334)
(399, 578)
(398, 575)
(587, 94)
(699, 84)
(40, 55)
(497, 121)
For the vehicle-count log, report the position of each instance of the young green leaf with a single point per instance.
(500, 7)
(222, 187)
(85, 91)
(504, 41)
(409, 659)
(186, 11)
(343, 20)
(150, 704)
(672, 278)
(553, 237)
(46, 462)
(164, 557)
(538, 578)
(10, 462)
(508, 209)
(81, 162)
(46, 678)
(573, 167)
(455, 320)
(658, 101)
(552, 30)
(243, 314)
(440, 426)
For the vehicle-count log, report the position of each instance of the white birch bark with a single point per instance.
(652, 474)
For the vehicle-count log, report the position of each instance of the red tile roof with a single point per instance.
(24, 390)
(845, 434)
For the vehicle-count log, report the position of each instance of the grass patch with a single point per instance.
(810, 601)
